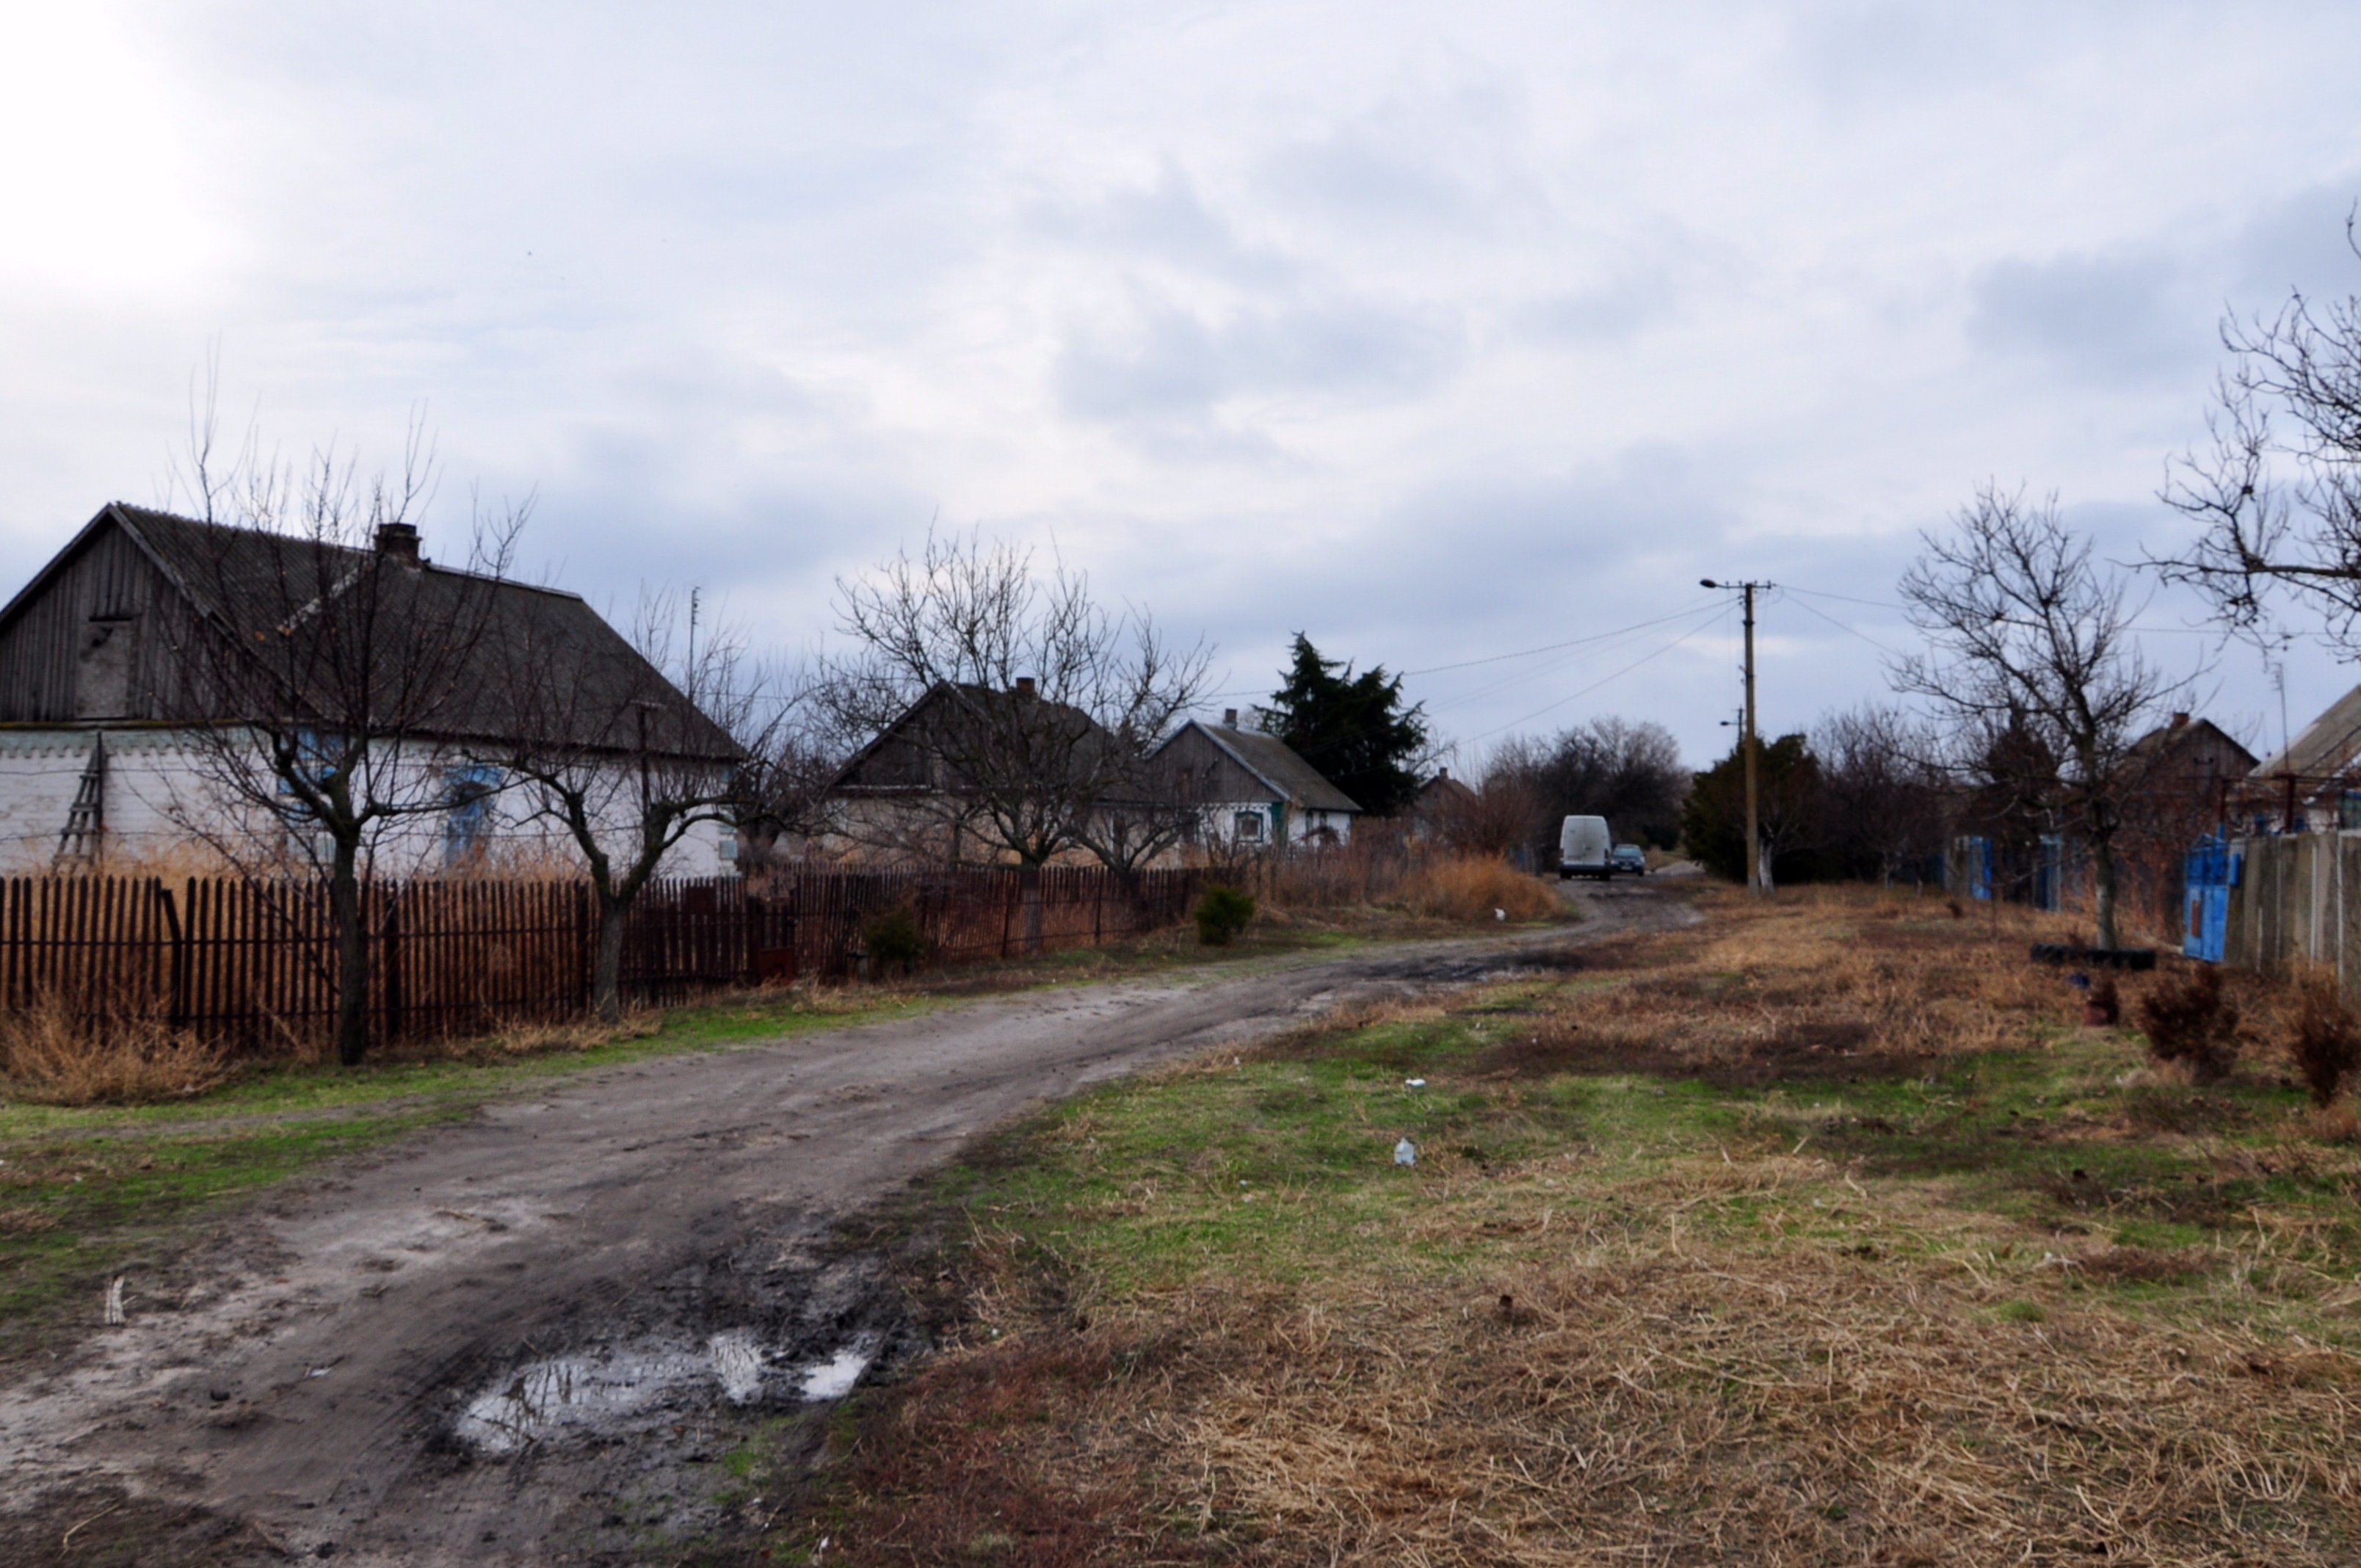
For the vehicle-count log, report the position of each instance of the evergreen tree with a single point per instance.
(1713, 818)
(1352, 728)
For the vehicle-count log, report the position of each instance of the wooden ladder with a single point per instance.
(86, 819)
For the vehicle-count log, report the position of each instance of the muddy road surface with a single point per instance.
(526, 1339)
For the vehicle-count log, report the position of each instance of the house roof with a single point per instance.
(250, 583)
(1274, 762)
(2184, 735)
(948, 719)
(2328, 746)
(1442, 788)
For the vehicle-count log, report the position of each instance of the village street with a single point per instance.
(514, 1335)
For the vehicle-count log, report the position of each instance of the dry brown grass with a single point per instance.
(170, 863)
(1753, 1352)
(1609, 1393)
(1472, 888)
(1885, 988)
(1613, 1403)
(51, 1057)
(526, 1037)
(1422, 882)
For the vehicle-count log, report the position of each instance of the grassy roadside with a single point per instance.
(1823, 1234)
(133, 1184)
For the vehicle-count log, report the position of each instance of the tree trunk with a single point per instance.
(607, 973)
(1029, 880)
(352, 958)
(1762, 869)
(2102, 889)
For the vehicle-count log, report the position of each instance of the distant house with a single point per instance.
(2178, 773)
(111, 657)
(1248, 788)
(1443, 801)
(2312, 785)
(965, 770)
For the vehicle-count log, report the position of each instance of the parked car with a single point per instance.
(1583, 848)
(1629, 858)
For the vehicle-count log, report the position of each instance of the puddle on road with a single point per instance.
(617, 1390)
(834, 1378)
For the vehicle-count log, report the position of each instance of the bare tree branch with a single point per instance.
(1023, 713)
(326, 669)
(2276, 492)
(627, 752)
(2028, 634)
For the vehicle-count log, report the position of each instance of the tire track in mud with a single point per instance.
(521, 1337)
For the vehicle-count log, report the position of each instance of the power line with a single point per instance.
(1841, 626)
(1711, 616)
(1904, 610)
(1493, 659)
(1605, 644)
(1553, 647)
(1821, 594)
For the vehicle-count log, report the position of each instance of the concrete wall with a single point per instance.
(2297, 899)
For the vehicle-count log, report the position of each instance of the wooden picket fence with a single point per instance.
(252, 963)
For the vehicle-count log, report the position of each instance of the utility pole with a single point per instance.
(1753, 746)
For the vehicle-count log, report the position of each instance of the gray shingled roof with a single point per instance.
(971, 721)
(1274, 762)
(2328, 746)
(244, 579)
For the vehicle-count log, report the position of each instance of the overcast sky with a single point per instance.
(1436, 333)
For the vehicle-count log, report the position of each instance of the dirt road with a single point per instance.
(524, 1339)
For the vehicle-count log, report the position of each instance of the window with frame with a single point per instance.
(1247, 826)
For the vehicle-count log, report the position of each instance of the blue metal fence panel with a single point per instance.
(2210, 871)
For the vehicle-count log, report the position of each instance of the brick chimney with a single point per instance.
(1229, 718)
(1025, 686)
(2178, 720)
(398, 539)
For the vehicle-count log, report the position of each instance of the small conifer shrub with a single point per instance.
(1221, 915)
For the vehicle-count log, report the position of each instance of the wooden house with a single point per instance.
(1249, 788)
(127, 657)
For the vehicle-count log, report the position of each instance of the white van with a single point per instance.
(1584, 848)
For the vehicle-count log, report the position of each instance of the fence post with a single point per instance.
(394, 997)
(176, 974)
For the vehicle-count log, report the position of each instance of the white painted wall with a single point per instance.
(155, 785)
(1221, 824)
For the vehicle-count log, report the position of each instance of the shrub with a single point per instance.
(2189, 1027)
(894, 938)
(2322, 1037)
(1221, 915)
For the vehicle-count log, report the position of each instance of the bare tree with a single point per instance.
(2026, 631)
(1144, 813)
(1502, 812)
(1011, 710)
(628, 748)
(1629, 772)
(328, 670)
(792, 757)
(2276, 491)
(1881, 780)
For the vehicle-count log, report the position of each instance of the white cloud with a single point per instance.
(1429, 332)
